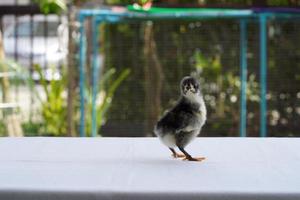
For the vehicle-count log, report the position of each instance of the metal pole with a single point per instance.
(95, 73)
(243, 77)
(263, 74)
(82, 75)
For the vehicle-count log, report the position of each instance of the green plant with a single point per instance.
(2, 129)
(53, 107)
(31, 128)
(107, 88)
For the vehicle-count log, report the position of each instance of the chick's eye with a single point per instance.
(185, 87)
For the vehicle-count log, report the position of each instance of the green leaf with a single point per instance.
(108, 98)
(51, 6)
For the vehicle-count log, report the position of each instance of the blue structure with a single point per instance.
(243, 16)
(243, 76)
(263, 73)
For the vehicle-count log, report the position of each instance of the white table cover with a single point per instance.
(142, 168)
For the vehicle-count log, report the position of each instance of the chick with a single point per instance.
(183, 123)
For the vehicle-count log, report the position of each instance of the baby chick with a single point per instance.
(183, 123)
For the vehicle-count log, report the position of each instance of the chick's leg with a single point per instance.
(189, 157)
(175, 154)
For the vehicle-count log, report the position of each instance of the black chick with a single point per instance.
(183, 123)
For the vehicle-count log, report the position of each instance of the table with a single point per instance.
(142, 168)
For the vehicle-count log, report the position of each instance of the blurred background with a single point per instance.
(143, 63)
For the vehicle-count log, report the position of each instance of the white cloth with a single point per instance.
(142, 168)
